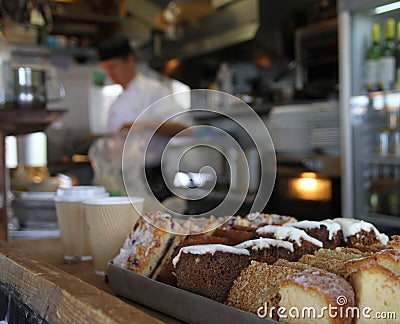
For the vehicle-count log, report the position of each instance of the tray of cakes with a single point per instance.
(262, 267)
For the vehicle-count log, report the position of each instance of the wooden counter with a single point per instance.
(62, 293)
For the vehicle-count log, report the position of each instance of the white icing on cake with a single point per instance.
(288, 233)
(208, 248)
(262, 243)
(351, 226)
(332, 227)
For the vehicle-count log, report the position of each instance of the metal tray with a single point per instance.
(175, 302)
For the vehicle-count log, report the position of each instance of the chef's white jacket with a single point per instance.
(140, 93)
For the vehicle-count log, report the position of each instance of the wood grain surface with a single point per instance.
(61, 297)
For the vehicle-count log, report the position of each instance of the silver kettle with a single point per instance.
(34, 84)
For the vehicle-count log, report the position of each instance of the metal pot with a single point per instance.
(34, 83)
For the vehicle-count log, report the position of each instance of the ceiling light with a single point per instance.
(386, 8)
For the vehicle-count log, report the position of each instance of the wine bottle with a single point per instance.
(387, 61)
(372, 61)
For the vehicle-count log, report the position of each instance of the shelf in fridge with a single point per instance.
(378, 159)
(378, 100)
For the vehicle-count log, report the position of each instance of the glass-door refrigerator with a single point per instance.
(370, 116)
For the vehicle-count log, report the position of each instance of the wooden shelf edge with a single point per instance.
(59, 297)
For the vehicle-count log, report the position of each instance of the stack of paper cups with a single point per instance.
(109, 221)
(72, 221)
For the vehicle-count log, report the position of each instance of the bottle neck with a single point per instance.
(389, 30)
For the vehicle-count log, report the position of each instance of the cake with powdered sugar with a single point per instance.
(268, 250)
(376, 288)
(326, 295)
(302, 242)
(327, 231)
(356, 231)
(209, 270)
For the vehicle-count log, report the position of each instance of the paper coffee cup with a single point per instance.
(72, 222)
(109, 221)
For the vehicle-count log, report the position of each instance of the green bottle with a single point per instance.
(372, 61)
(387, 61)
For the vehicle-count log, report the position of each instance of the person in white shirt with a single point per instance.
(117, 59)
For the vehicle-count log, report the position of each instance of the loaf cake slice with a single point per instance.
(257, 288)
(312, 293)
(147, 247)
(377, 289)
(389, 259)
(302, 242)
(326, 231)
(209, 270)
(268, 250)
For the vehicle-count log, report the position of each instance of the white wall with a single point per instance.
(76, 79)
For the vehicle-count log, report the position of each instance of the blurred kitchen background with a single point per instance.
(280, 57)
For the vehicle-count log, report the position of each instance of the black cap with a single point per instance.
(113, 48)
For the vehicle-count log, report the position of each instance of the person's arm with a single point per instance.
(168, 129)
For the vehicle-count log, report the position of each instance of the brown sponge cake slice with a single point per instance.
(257, 287)
(295, 265)
(341, 253)
(331, 265)
(209, 270)
(167, 273)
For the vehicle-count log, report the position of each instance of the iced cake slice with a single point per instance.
(302, 242)
(167, 274)
(358, 231)
(268, 250)
(209, 270)
(326, 231)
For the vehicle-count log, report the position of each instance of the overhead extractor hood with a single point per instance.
(237, 22)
